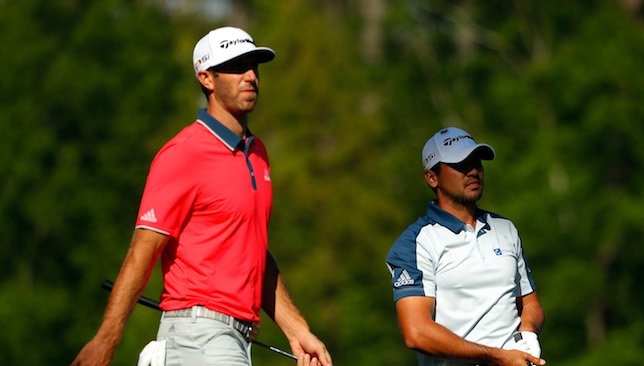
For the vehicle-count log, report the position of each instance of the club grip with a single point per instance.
(108, 285)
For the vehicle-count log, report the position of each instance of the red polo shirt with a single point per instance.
(211, 193)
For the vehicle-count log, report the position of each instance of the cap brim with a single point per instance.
(259, 54)
(484, 151)
(263, 54)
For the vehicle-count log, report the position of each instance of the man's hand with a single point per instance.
(531, 340)
(305, 360)
(516, 358)
(524, 341)
(518, 344)
(310, 351)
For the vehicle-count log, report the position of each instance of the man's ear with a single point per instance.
(207, 79)
(431, 178)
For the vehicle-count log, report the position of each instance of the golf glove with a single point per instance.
(531, 340)
(518, 343)
(153, 354)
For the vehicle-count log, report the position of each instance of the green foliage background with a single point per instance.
(89, 91)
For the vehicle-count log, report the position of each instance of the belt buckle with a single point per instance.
(250, 331)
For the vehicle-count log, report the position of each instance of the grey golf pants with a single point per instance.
(200, 341)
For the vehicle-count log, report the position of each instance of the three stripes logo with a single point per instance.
(404, 279)
(149, 216)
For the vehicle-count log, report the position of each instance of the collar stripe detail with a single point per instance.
(229, 138)
(444, 218)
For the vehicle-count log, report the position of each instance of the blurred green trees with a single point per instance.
(87, 88)
(91, 90)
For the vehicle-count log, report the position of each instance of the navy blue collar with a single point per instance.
(228, 137)
(450, 221)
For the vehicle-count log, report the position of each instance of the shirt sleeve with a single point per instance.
(170, 191)
(407, 278)
(524, 280)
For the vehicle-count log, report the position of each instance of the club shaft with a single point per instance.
(276, 350)
(153, 304)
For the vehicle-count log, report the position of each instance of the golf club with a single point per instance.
(153, 304)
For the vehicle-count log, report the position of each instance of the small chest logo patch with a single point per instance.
(498, 251)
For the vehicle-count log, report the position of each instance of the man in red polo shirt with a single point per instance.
(205, 211)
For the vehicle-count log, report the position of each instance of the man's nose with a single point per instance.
(251, 74)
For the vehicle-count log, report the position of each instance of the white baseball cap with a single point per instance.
(452, 145)
(225, 44)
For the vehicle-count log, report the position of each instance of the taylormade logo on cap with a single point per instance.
(225, 44)
(452, 145)
(449, 141)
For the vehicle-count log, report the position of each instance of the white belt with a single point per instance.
(247, 329)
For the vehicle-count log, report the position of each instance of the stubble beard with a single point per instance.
(238, 105)
(465, 198)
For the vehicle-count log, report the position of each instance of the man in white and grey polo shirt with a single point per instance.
(462, 286)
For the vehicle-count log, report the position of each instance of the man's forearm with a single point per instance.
(420, 332)
(436, 340)
(277, 302)
(532, 316)
(118, 310)
(129, 285)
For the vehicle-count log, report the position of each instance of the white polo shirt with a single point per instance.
(475, 274)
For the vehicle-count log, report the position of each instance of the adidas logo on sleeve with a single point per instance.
(404, 279)
(149, 216)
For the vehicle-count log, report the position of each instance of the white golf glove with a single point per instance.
(517, 342)
(531, 340)
(153, 354)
